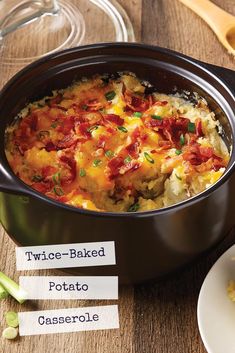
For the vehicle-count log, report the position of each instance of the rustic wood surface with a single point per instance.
(156, 318)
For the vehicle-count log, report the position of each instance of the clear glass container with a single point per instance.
(32, 29)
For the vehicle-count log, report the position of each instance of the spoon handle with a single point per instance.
(14, 20)
(218, 19)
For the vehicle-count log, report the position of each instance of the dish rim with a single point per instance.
(25, 190)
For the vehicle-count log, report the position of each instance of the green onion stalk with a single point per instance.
(3, 292)
(12, 288)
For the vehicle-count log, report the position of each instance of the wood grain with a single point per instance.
(154, 318)
(170, 24)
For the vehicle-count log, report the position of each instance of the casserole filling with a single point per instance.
(111, 143)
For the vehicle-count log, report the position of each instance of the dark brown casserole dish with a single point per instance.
(148, 244)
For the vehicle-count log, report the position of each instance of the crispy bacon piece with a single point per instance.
(129, 167)
(101, 142)
(212, 164)
(193, 158)
(50, 146)
(70, 163)
(48, 171)
(193, 155)
(115, 165)
(170, 128)
(164, 145)
(139, 135)
(135, 134)
(199, 131)
(197, 155)
(89, 119)
(118, 167)
(111, 130)
(174, 127)
(84, 130)
(33, 122)
(27, 125)
(67, 141)
(206, 152)
(79, 119)
(114, 118)
(41, 187)
(133, 149)
(154, 123)
(135, 103)
(67, 125)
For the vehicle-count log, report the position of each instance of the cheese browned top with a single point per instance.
(111, 144)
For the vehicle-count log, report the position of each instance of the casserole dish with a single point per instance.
(148, 244)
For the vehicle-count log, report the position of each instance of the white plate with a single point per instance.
(215, 311)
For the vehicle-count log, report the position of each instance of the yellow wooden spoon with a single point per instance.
(221, 22)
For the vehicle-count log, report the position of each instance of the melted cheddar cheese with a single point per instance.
(110, 143)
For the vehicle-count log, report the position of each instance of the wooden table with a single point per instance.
(157, 318)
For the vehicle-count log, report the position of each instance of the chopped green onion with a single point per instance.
(10, 333)
(84, 107)
(12, 319)
(109, 154)
(82, 172)
(97, 162)
(37, 178)
(12, 288)
(105, 81)
(178, 152)
(178, 177)
(137, 114)
(148, 157)
(3, 292)
(127, 160)
(191, 127)
(122, 128)
(134, 207)
(55, 124)
(156, 117)
(110, 95)
(182, 139)
(56, 178)
(92, 128)
(58, 191)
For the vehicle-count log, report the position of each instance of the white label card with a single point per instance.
(65, 255)
(70, 287)
(68, 320)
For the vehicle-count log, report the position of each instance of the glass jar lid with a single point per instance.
(32, 29)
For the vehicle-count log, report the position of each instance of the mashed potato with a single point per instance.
(106, 144)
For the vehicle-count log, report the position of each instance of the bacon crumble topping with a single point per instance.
(108, 144)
